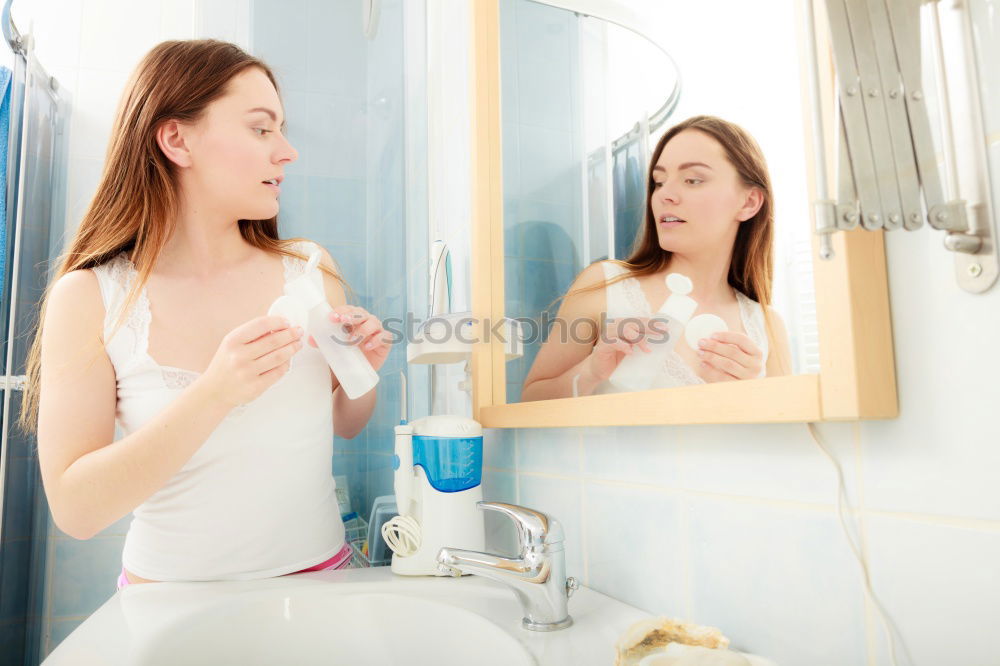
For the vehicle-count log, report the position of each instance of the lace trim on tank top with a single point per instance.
(674, 365)
(124, 273)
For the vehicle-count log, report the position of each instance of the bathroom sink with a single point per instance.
(376, 628)
(357, 617)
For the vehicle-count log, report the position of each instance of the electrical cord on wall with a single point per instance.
(856, 549)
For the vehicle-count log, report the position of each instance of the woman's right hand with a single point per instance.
(251, 358)
(618, 341)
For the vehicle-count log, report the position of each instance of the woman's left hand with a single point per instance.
(365, 329)
(727, 355)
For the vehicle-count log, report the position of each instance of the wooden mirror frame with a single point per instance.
(857, 369)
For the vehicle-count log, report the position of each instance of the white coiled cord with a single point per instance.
(402, 535)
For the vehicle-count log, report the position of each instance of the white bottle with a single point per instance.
(639, 370)
(305, 305)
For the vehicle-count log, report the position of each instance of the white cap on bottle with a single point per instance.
(679, 305)
(302, 288)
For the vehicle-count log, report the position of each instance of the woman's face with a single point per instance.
(238, 145)
(698, 198)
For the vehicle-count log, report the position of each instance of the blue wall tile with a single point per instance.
(498, 447)
(549, 450)
(501, 534)
(561, 499)
(333, 37)
(336, 210)
(90, 570)
(59, 630)
(277, 32)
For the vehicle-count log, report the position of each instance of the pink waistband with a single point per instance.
(340, 560)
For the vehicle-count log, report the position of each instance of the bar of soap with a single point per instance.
(650, 638)
(678, 654)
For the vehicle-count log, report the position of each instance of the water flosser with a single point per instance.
(638, 371)
(347, 361)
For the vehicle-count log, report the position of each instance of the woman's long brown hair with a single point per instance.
(136, 203)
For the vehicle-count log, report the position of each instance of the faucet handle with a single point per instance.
(534, 528)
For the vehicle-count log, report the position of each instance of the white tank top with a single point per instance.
(257, 498)
(625, 298)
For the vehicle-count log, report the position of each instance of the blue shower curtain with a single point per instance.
(5, 79)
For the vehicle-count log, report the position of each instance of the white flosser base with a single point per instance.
(446, 519)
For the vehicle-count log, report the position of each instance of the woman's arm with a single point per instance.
(566, 352)
(91, 481)
(349, 416)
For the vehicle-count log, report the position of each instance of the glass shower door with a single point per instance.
(32, 182)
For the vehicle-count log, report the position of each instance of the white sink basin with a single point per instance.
(375, 628)
(356, 617)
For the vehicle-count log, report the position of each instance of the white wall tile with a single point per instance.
(774, 461)
(97, 96)
(116, 34)
(84, 175)
(986, 28)
(940, 586)
(939, 455)
(57, 43)
(638, 454)
(178, 19)
(634, 551)
(779, 582)
(226, 20)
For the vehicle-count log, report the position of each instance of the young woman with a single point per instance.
(157, 319)
(709, 216)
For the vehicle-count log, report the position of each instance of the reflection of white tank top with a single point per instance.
(257, 498)
(625, 298)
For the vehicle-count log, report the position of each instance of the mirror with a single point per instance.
(584, 102)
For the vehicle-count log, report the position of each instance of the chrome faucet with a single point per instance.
(537, 576)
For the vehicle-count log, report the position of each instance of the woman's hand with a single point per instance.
(728, 355)
(251, 358)
(366, 331)
(618, 341)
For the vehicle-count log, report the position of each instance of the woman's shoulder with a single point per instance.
(306, 247)
(301, 245)
(77, 296)
(596, 275)
(604, 270)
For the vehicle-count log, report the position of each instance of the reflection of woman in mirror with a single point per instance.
(709, 216)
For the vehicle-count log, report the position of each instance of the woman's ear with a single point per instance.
(754, 200)
(170, 137)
